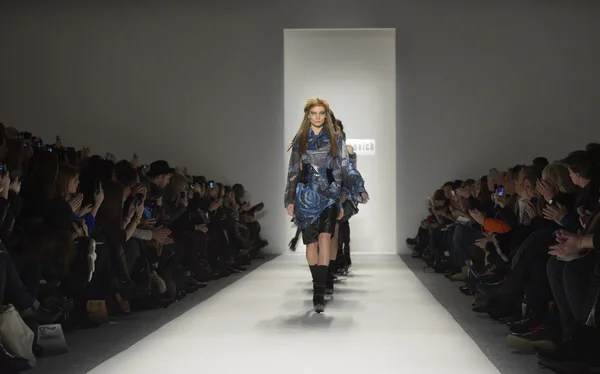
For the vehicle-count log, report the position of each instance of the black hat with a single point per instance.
(160, 167)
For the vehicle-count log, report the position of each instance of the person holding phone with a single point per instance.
(313, 196)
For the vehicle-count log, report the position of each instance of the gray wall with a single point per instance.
(204, 83)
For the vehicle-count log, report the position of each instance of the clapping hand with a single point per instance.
(80, 229)
(530, 209)
(84, 210)
(478, 216)
(546, 189)
(75, 201)
(555, 213)
(568, 243)
(481, 243)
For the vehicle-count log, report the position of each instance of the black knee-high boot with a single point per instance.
(331, 269)
(319, 288)
(341, 258)
(345, 239)
(313, 272)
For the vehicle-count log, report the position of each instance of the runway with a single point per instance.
(381, 320)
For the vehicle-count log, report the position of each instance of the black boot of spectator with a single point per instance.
(193, 285)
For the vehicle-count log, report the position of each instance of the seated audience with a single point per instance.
(523, 243)
(81, 232)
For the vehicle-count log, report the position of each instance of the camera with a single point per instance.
(211, 185)
(500, 190)
(139, 198)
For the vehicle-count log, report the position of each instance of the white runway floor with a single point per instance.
(381, 320)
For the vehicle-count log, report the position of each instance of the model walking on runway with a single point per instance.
(355, 194)
(313, 195)
(358, 195)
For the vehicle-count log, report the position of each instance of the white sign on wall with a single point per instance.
(362, 146)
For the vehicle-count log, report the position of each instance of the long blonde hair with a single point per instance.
(177, 184)
(66, 173)
(557, 173)
(301, 136)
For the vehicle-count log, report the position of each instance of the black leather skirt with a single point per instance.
(325, 224)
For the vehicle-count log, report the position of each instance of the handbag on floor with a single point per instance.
(15, 335)
(52, 339)
(97, 311)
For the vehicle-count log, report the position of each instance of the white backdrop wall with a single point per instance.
(202, 84)
(355, 71)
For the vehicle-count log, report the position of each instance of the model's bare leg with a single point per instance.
(324, 249)
(312, 254)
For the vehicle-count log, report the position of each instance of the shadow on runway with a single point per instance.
(307, 320)
(341, 290)
(355, 275)
(331, 303)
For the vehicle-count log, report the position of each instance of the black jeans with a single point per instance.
(12, 289)
(29, 267)
(570, 283)
(464, 237)
(132, 253)
(529, 271)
